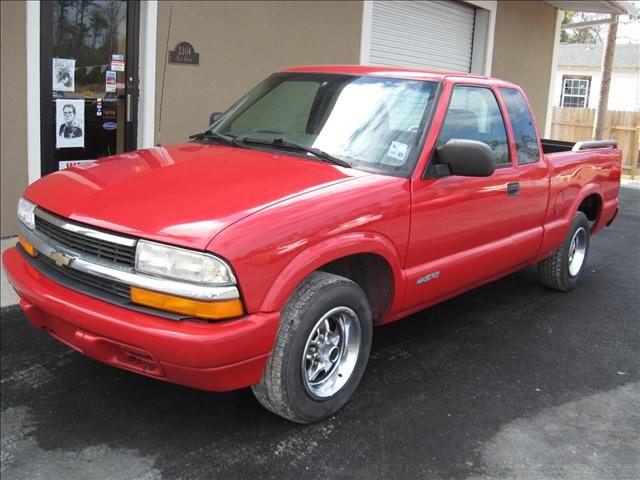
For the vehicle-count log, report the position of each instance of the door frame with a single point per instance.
(146, 83)
(47, 114)
(132, 55)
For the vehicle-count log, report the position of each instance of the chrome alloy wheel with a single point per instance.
(331, 352)
(577, 251)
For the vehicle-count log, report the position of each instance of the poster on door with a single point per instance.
(70, 129)
(64, 75)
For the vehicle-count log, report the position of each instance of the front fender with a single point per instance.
(327, 251)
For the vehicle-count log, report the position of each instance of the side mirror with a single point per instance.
(467, 158)
(214, 117)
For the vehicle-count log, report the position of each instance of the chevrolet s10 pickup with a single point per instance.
(326, 201)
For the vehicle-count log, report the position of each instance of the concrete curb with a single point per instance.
(8, 296)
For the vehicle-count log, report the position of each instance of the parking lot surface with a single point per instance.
(508, 381)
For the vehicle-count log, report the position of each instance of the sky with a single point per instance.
(628, 27)
(629, 30)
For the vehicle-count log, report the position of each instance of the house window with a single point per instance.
(575, 91)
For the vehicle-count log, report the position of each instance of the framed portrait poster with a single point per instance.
(70, 129)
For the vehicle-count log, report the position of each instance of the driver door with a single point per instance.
(461, 227)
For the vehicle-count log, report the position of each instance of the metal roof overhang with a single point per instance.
(614, 7)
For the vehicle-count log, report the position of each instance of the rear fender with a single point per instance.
(587, 190)
(327, 251)
(556, 230)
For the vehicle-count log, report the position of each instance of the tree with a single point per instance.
(98, 25)
(592, 34)
(607, 64)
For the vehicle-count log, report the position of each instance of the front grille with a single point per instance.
(101, 249)
(93, 245)
(110, 286)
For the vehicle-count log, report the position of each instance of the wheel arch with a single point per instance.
(591, 206)
(330, 255)
(556, 230)
(590, 202)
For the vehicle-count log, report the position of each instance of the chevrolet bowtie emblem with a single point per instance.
(60, 258)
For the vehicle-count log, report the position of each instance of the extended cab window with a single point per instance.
(474, 114)
(524, 131)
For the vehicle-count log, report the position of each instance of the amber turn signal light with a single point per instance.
(30, 249)
(216, 310)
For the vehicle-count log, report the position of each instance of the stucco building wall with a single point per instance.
(13, 115)
(523, 46)
(240, 43)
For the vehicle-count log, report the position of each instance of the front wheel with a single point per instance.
(321, 350)
(562, 270)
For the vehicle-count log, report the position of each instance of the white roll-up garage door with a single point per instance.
(422, 34)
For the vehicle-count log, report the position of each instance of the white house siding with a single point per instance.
(624, 93)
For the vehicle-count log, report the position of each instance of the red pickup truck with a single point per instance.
(324, 202)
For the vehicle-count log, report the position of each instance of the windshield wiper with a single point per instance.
(283, 142)
(218, 136)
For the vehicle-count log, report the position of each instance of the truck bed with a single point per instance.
(557, 146)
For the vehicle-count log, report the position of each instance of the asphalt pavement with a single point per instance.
(508, 381)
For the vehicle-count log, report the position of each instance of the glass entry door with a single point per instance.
(89, 81)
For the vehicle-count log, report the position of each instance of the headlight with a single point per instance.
(25, 213)
(182, 264)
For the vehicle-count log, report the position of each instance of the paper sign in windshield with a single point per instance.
(398, 151)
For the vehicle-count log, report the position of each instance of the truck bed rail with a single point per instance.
(586, 145)
(558, 146)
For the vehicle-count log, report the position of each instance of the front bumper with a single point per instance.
(210, 356)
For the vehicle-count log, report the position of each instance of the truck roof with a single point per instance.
(383, 71)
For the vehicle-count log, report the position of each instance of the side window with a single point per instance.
(474, 114)
(524, 131)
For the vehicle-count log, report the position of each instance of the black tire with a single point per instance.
(554, 270)
(284, 388)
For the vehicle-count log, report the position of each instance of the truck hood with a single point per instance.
(182, 194)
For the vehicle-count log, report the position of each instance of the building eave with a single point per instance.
(613, 7)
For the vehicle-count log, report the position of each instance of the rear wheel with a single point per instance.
(562, 270)
(321, 350)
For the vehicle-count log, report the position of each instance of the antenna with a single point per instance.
(164, 72)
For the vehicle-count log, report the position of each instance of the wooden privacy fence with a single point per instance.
(575, 124)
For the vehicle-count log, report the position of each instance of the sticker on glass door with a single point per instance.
(110, 85)
(74, 163)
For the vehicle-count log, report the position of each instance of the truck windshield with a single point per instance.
(373, 123)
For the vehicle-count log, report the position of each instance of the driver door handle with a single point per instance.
(513, 189)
